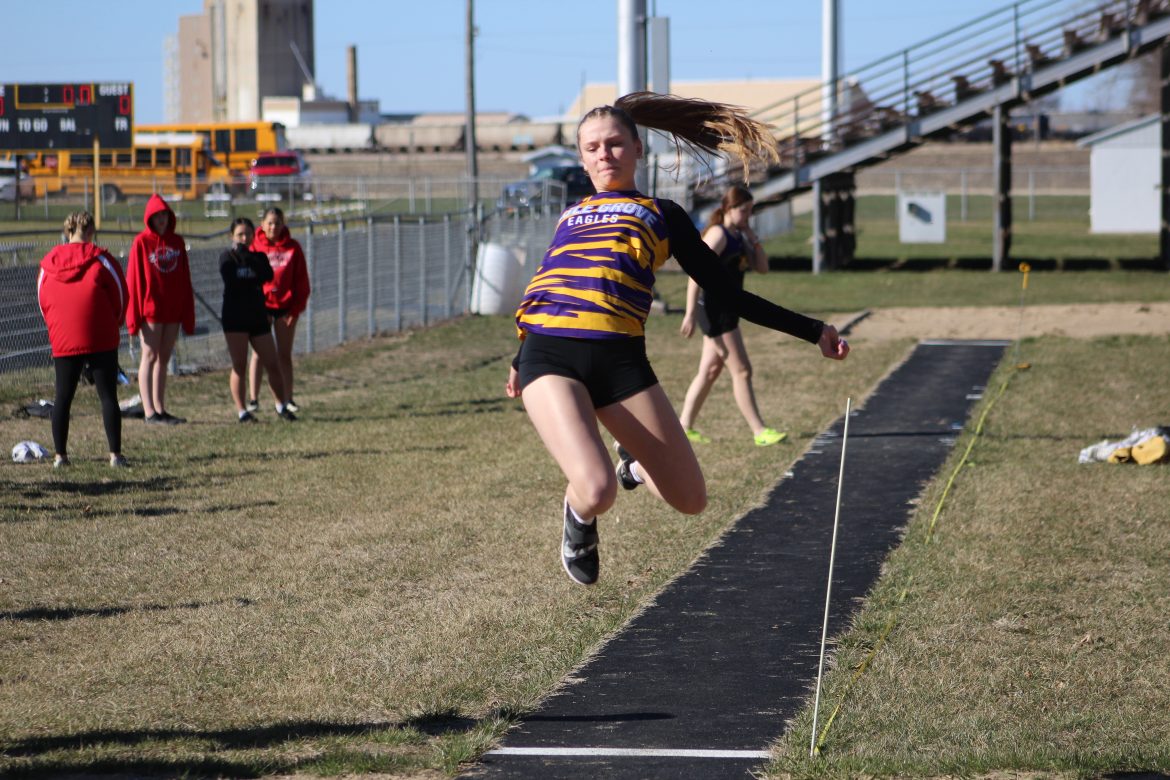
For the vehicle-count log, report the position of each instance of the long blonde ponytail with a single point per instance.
(696, 124)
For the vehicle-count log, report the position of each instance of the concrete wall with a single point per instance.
(257, 52)
(195, 88)
(281, 23)
(241, 59)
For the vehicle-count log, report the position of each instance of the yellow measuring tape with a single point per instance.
(929, 535)
(963, 460)
(860, 669)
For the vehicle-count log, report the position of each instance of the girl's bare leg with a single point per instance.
(710, 366)
(286, 335)
(647, 427)
(265, 350)
(157, 342)
(148, 339)
(740, 368)
(237, 344)
(563, 416)
(255, 370)
(168, 335)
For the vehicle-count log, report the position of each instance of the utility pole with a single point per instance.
(474, 223)
(631, 65)
(469, 132)
(830, 59)
(830, 66)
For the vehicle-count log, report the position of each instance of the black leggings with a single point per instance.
(105, 379)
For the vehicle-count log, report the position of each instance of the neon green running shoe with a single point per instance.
(696, 437)
(769, 436)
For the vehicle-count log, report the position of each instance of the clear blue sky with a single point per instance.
(531, 55)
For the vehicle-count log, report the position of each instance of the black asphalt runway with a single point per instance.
(702, 682)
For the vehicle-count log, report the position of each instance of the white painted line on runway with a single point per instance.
(631, 752)
(964, 343)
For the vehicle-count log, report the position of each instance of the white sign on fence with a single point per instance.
(922, 217)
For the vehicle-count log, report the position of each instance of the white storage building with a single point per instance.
(1125, 172)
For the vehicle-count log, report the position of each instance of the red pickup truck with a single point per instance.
(277, 175)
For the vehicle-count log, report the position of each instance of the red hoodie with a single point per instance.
(159, 276)
(289, 288)
(82, 295)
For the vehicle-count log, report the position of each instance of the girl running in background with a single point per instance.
(245, 318)
(161, 301)
(286, 296)
(582, 357)
(731, 238)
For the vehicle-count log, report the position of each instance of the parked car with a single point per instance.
(279, 175)
(10, 174)
(559, 186)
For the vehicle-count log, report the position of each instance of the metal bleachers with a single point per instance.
(1002, 59)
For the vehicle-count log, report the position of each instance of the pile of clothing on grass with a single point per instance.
(1143, 447)
(131, 407)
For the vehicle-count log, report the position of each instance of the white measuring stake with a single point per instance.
(812, 748)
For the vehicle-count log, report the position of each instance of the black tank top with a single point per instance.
(733, 261)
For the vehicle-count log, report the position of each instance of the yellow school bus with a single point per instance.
(235, 143)
(178, 166)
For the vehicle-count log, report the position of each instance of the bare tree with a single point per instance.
(1144, 82)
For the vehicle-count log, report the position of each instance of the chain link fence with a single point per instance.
(377, 273)
(1038, 192)
(528, 233)
(316, 199)
(368, 276)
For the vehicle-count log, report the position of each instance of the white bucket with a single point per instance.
(499, 279)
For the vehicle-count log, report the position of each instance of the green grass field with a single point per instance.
(1057, 232)
(375, 589)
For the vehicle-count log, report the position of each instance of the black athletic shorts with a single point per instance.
(713, 321)
(276, 314)
(610, 369)
(250, 324)
(252, 329)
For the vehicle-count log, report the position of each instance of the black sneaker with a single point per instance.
(248, 417)
(579, 550)
(287, 415)
(172, 420)
(292, 406)
(252, 405)
(156, 419)
(623, 468)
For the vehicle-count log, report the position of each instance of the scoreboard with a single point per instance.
(66, 117)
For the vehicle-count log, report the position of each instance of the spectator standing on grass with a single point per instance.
(286, 297)
(582, 357)
(731, 238)
(161, 301)
(245, 318)
(82, 295)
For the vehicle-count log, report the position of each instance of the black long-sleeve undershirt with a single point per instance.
(701, 263)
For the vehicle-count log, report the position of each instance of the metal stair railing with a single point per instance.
(1007, 56)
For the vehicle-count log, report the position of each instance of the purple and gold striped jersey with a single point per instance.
(595, 279)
